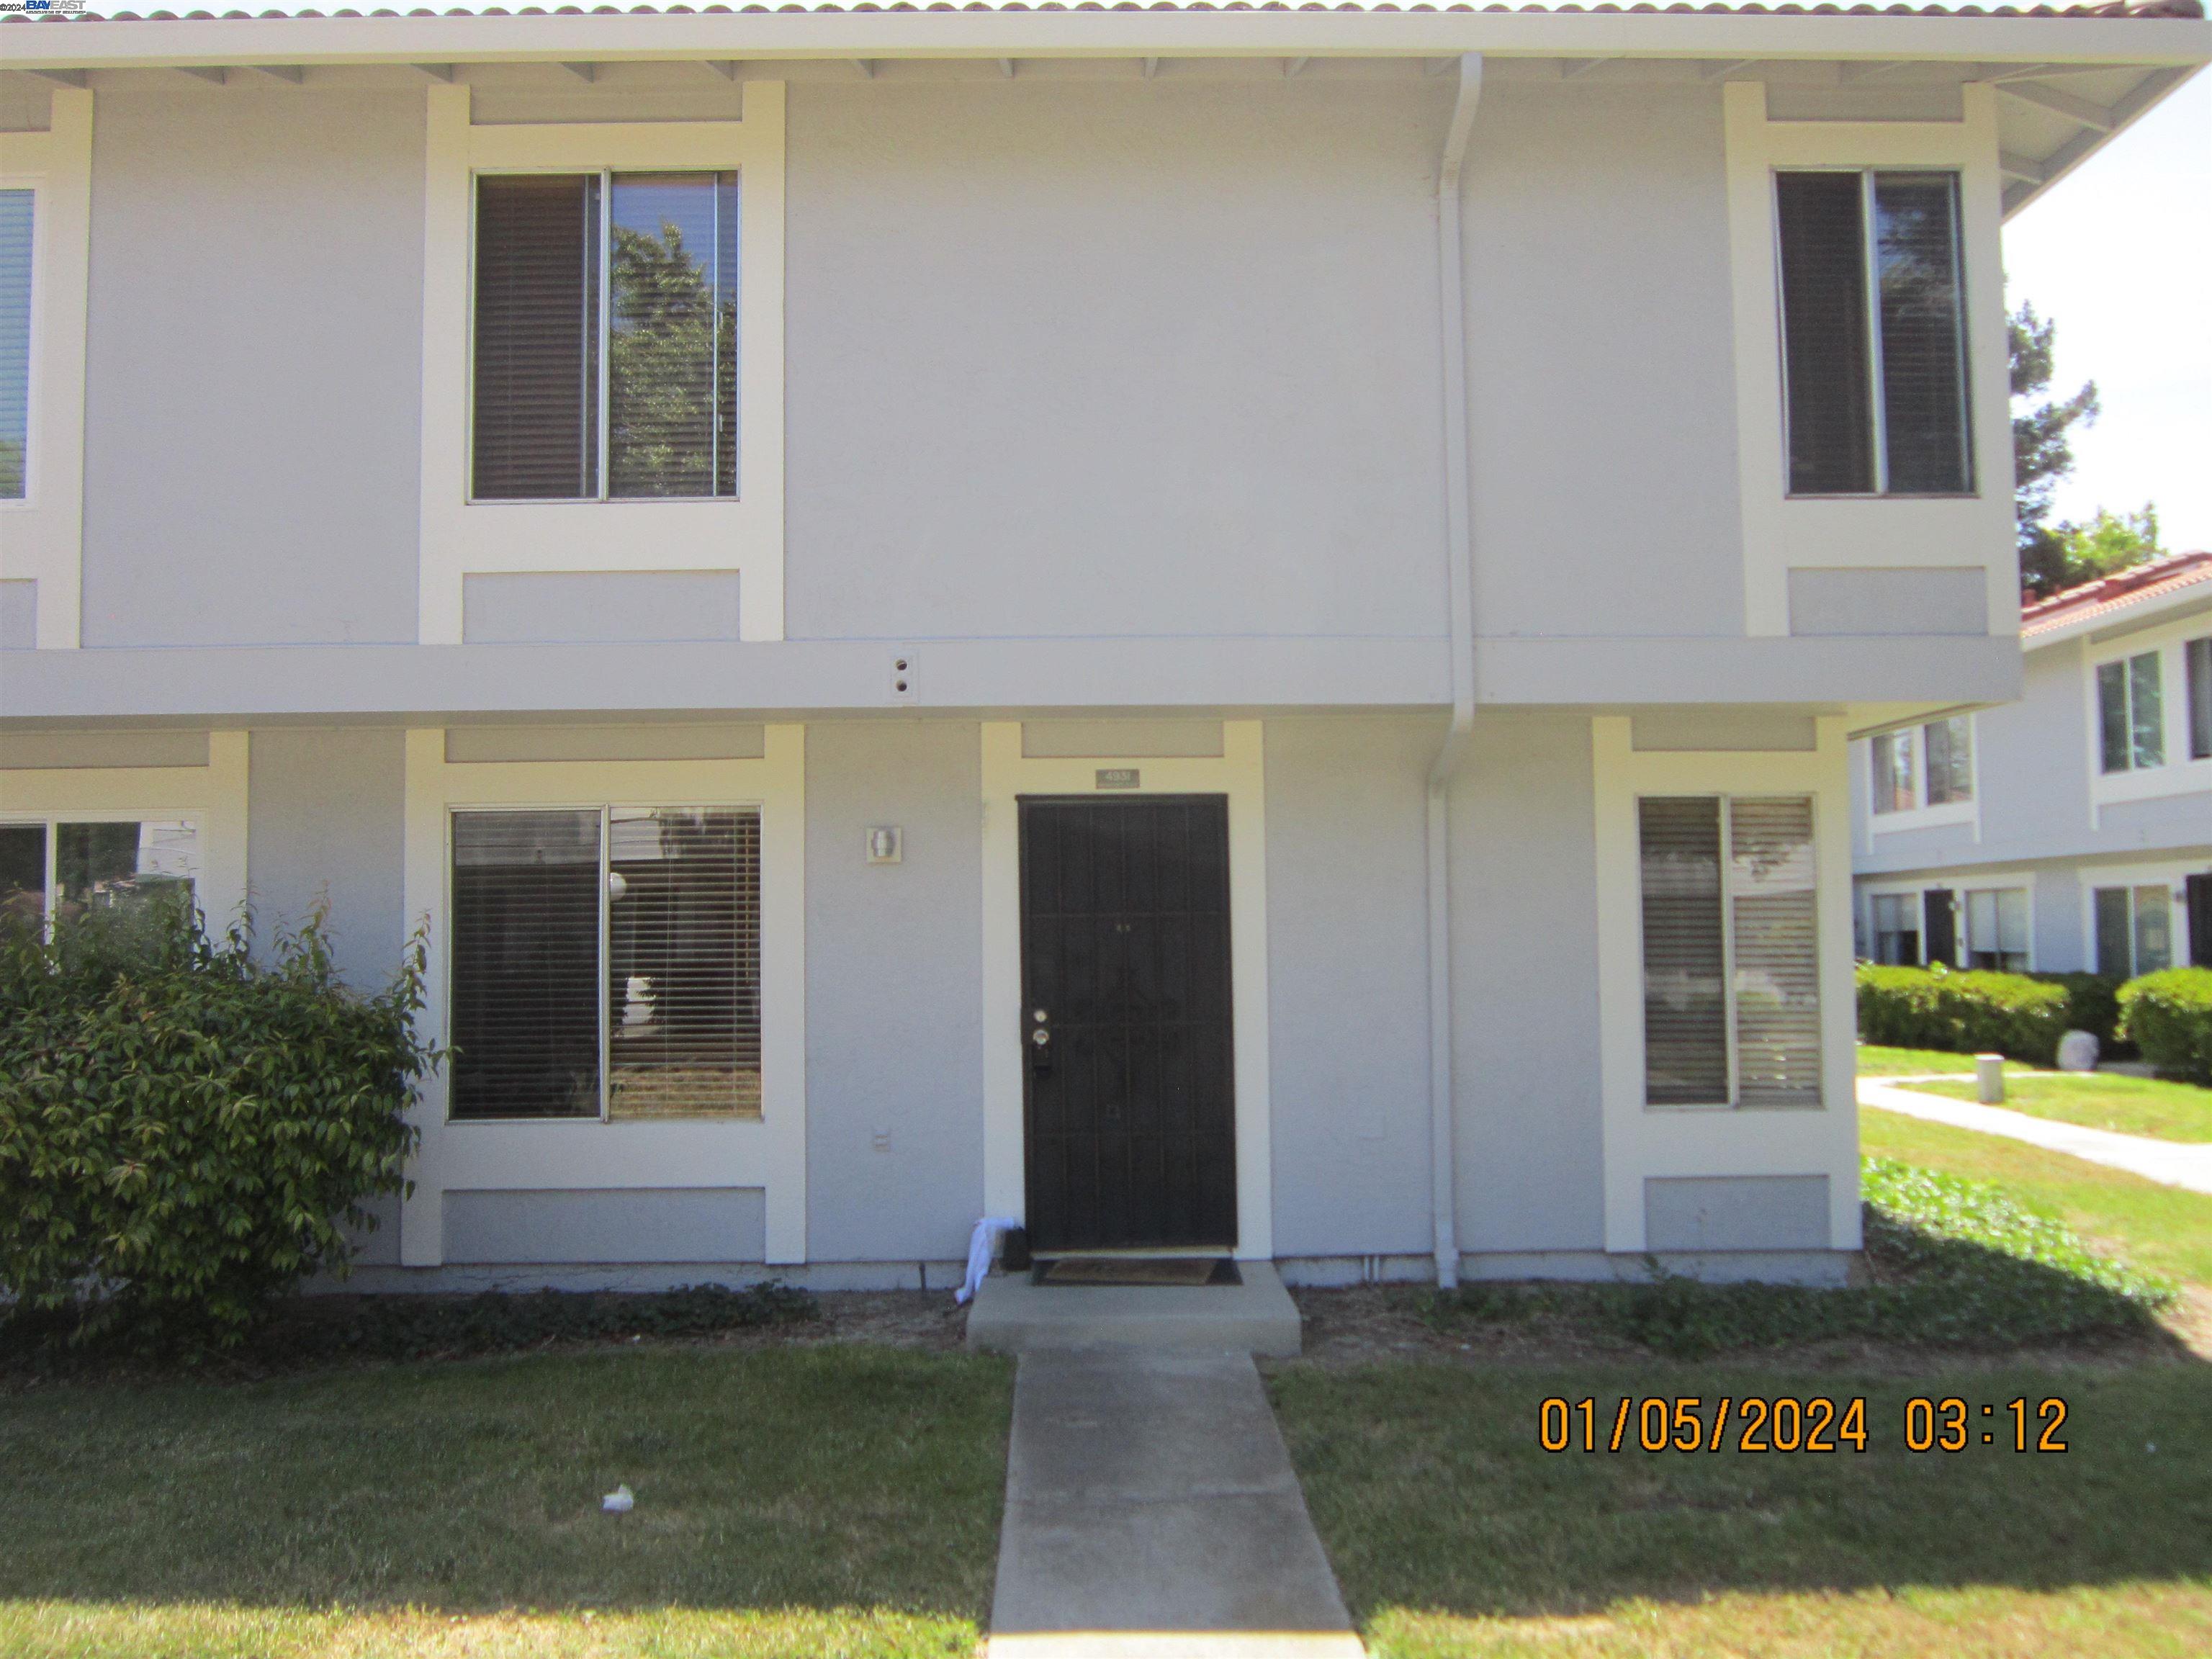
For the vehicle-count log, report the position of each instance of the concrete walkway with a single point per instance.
(1152, 1511)
(2172, 1163)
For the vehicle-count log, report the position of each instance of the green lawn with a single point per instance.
(2166, 1230)
(836, 1500)
(1454, 1533)
(1877, 1061)
(2103, 1100)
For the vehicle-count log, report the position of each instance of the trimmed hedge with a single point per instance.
(185, 1132)
(2093, 1004)
(2169, 1018)
(1969, 1013)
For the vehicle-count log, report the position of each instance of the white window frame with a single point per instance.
(212, 797)
(42, 534)
(1923, 816)
(2171, 876)
(593, 1154)
(2178, 775)
(1642, 1141)
(1915, 891)
(1781, 531)
(461, 537)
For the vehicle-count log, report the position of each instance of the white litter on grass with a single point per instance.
(620, 1501)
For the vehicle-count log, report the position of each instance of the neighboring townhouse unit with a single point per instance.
(1233, 630)
(2072, 829)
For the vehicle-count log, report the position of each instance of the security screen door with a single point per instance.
(1130, 1101)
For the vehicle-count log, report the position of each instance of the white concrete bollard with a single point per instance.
(1988, 1080)
(2077, 1052)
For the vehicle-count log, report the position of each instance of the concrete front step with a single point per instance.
(1012, 1315)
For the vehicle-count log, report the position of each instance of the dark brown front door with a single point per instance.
(1130, 1104)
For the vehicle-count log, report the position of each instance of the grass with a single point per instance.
(1875, 1061)
(1454, 1533)
(2103, 1100)
(2163, 1230)
(823, 1500)
(1956, 1263)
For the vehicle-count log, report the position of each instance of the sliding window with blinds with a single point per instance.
(606, 336)
(1731, 962)
(606, 963)
(1874, 339)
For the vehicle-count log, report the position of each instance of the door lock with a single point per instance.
(1040, 1042)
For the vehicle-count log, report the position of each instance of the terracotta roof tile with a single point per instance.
(2119, 591)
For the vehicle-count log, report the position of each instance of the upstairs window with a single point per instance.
(606, 336)
(1930, 765)
(16, 212)
(2130, 713)
(1873, 333)
(1731, 966)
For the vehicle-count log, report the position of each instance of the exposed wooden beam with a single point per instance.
(61, 77)
(2062, 161)
(2019, 166)
(1720, 71)
(1572, 67)
(867, 66)
(1006, 68)
(725, 67)
(217, 76)
(437, 71)
(2080, 111)
(292, 72)
(583, 71)
(1151, 66)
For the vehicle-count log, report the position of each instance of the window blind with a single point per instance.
(1685, 1001)
(1826, 357)
(1894, 788)
(2153, 930)
(536, 329)
(1923, 382)
(1777, 993)
(525, 965)
(682, 963)
(15, 214)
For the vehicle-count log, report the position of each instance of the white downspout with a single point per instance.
(1459, 562)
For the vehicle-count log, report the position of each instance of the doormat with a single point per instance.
(1136, 1270)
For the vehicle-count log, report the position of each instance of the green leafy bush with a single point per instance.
(2169, 1016)
(2093, 1005)
(1955, 1264)
(185, 1132)
(1969, 1013)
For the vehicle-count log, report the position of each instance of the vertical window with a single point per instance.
(2135, 929)
(15, 214)
(1895, 787)
(1731, 992)
(1950, 753)
(64, 869)
(1997, 930)
(1897, 929)
(2130, 715)
(1873, 337)
(606, 336)
(2197, 673)
(606, 964)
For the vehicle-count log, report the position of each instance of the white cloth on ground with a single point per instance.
(981, 1242)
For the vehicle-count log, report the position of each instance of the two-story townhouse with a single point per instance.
(1230, 630)
(2070, 831)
